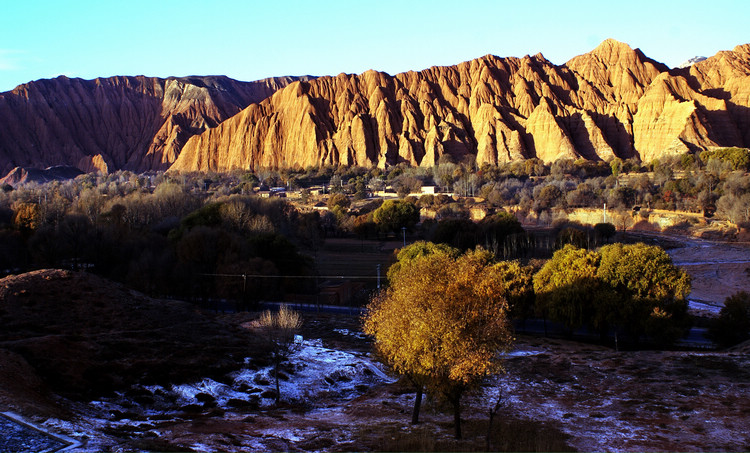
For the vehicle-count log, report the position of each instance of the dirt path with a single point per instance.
(634, 401)
(718, 269)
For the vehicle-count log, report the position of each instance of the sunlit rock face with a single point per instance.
(134, 123)
(612, 101)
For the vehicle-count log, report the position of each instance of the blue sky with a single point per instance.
(249, 40)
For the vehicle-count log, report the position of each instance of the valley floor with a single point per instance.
(555, 395)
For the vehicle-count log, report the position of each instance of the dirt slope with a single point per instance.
(80, 335)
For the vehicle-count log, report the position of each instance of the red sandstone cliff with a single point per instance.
(136, 123)
(612, 101)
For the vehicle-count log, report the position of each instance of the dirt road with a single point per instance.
(719, 269)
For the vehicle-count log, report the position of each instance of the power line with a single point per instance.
(292, 276)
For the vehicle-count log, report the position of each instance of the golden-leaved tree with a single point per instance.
(442, 322)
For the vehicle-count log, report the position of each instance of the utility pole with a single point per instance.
(244, 291)
(378, 267)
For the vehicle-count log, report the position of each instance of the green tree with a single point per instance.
(208, 215)
(460, 233)
(616, 166)
(360, 188)
(604, 231)
(566, 286)
(738, 158)
(338, 200)
(518, 287)
(635, 287)
(548, 196)
(419, 249)
(393, 215)
(733, 324)
(442, 322)
(572, 235)
(494, 229)
(651, 290)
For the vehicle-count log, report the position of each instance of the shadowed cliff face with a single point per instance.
(612, 101)
(134, 123)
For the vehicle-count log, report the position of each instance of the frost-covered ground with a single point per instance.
(333, 398)
(632, 401)
(316, 378)
(707, 308)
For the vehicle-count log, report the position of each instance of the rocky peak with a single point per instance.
(613, 101)
(724, 71)
(621, 73)
(691, 61)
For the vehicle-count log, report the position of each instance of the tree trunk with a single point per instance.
(276, 373)
(493, 411)
(417, 405)
(456, 400)
(489, 430)
(617, 343)
(603, 331)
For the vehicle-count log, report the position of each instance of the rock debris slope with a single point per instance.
(612, 101)
(134, 123)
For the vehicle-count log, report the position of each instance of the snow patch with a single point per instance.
(286, 434)
(202, 447)
(704, 306)
(521, 353)
(323, 371)
(347, 332)
(314, 373)
(691, 61)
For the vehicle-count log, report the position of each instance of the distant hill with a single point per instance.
(691, 61)
(23, 175)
